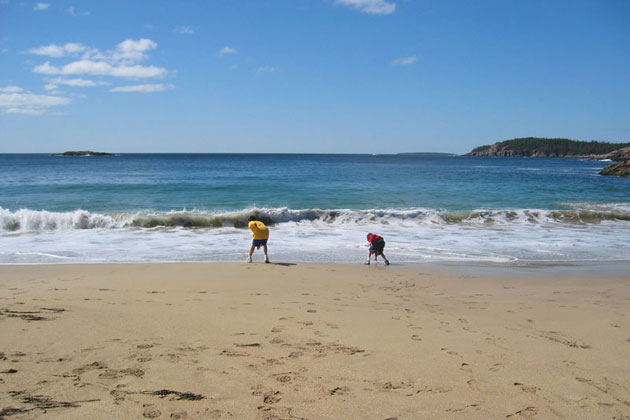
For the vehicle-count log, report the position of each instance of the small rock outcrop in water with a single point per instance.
(622, 165)
(85, 153)
(617, 169)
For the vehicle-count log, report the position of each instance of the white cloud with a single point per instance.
(129, 51)
(133, 51)
(267, 69)
(186, 30)
(101, 68)
(29, 103)
(120, 62)
(75, 82)
(148, 88)
(405, 61)
(58, 51)
(41, 6)
(227, 50)
(46, 68)
(373, 7)
(11, 89)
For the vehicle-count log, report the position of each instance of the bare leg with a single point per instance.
(265, 252)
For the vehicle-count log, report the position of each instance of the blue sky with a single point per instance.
(312, 76)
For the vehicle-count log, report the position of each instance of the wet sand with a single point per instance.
(310, 341)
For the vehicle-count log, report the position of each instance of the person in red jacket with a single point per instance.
(377, 244)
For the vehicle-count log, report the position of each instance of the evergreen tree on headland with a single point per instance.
(536, 146)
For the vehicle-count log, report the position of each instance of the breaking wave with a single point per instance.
(26, 220)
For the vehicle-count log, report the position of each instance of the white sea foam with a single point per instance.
(33, 220)
(586, 232)
(26, 220)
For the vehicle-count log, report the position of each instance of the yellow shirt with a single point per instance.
(259, 229)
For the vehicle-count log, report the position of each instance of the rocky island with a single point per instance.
(85, 153)
(557, 148)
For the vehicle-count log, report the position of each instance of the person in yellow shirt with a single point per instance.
(261, 234)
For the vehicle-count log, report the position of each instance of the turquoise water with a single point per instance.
(192, 207)
(230, 182)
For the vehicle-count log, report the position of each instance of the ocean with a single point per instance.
(194, 207)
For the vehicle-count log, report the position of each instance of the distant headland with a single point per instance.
(84, 153)
(544, 147)
(559, 148)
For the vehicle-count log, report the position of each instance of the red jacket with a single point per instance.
(374, 238)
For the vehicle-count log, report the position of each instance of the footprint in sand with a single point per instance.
(115, 374)
(496, 367)
(269, 396)
(283, 377)
(528, 389)
(232, 353)
(276, 340)
(465, 408)
(528, 413)
(340, 390)
(91, 366)
(144, 346)
(389, 386)
(150, 412)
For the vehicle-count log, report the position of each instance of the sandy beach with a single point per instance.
(310, 341)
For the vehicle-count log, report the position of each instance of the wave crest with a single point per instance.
(26, 220)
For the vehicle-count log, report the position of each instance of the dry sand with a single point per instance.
(309, 341)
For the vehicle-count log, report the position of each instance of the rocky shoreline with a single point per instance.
(617, 169)
(508, 148)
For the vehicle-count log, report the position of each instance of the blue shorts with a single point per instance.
(259, 242)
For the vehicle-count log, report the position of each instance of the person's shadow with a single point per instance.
(283, 264)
